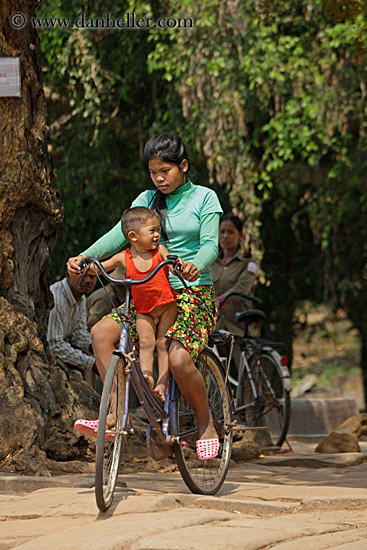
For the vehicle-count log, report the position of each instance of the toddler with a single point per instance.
(155, 301)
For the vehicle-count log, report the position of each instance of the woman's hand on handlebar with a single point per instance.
(189, 271)
(73, 267)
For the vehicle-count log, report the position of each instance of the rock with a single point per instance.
(344, 438)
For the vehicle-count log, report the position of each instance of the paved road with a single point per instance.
(291, 502)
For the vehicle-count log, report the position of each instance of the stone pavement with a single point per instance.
(291, 501)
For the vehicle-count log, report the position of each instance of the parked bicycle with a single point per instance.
(261, 385)
(172, 425)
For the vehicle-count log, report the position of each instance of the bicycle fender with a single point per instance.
(283, 369)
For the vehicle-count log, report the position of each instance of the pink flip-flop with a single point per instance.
(90, 427)
(207, 448)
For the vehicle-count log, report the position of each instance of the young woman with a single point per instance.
(232, 272)
(189, 217)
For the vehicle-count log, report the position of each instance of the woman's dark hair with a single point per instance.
(168, 148)
(234, 219)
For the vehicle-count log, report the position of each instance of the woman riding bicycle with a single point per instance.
(189, 217)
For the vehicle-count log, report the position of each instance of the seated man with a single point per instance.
(67, 331)
(101, 301)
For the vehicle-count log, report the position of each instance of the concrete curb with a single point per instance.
(297, 460)
(319, 416)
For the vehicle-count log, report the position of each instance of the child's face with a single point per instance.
(148, 234)
(167, 176)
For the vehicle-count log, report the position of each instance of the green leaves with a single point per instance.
(272, 96)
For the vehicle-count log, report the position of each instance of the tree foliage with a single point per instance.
(271, 94)
(101, 107)
(276, 93)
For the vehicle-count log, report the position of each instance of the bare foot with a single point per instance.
(111, 420)
(207, 431)
(149, 379)
(160, 391)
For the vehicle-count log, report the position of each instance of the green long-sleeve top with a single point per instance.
(192, 223)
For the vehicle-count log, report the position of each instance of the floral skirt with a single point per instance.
(196, 318)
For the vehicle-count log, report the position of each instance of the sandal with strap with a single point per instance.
(207, 448)
(90, 427)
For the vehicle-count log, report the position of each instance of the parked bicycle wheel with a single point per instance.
(267, 402)
(110, 442)
(204, 476)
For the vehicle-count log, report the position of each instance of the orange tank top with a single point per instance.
(155, 292)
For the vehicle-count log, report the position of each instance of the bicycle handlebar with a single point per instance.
(253, 299)
(127, 282)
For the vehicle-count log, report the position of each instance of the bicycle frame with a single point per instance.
(144, 393)
(134, 374)
(244, 366)
(132, 367)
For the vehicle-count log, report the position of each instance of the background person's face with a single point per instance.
(229, 236)
(87, 285)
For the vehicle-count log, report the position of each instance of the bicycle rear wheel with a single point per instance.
(110, 445)
(266, 401)
(204, 476)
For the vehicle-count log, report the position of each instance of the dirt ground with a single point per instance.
(327, 346)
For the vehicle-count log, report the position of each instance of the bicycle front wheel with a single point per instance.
(110, 441)
(204, 476)
(266, 401)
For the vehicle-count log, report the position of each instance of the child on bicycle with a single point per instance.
(155, 301)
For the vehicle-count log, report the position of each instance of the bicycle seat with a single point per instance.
(250, 316)
(219, 337)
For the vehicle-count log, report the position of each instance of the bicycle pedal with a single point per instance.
(128, 431)
(234, 427)
(237, 427)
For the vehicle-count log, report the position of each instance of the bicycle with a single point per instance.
(172, 425)
(261, 390)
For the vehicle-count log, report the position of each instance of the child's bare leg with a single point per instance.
(146, 329)
(166, 320)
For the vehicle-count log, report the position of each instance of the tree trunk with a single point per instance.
(38, 401)
(363, 364)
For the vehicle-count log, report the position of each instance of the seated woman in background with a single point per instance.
(232, 272)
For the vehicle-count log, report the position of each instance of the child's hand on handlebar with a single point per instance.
(73, 267)
(177, 266)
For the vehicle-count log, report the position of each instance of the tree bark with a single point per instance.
(363, 365)
(38, 400)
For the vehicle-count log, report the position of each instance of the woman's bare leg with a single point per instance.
(192, 387)
(105, 337)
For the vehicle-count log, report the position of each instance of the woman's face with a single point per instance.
(229, 236)
(167, 176)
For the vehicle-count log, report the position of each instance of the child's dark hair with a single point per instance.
(168, 148)
(234, 219)
(132, 218)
